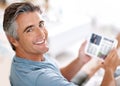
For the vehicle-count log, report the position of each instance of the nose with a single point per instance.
(40, 32)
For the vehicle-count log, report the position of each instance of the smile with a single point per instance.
(39, 42)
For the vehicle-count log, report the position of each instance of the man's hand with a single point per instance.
(112, 60)
(81, 55)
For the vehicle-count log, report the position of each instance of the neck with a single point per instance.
(33, 57)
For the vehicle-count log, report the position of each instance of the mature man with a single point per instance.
(27, 35)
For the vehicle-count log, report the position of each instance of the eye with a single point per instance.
(29, 29)
(41, 24)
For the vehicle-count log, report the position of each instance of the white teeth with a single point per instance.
(40, 42)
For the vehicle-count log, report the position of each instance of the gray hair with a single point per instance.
(10, 15)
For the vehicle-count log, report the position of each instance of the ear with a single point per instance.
(12, 40)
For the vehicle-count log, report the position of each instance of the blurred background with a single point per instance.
(69, 22)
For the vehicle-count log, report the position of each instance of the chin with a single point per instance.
(46, 50)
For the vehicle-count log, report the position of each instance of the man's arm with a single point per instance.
(70, 70)
(91, 65)
(108, 79)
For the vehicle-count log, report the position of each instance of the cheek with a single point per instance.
(25, 40)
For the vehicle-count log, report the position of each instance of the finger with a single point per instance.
(112, 58)
(111, 54)
(83, 45)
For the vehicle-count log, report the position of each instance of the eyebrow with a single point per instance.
(41, 21)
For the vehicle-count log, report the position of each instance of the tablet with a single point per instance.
(99, 45)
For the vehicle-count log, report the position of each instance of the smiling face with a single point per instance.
(32, 35)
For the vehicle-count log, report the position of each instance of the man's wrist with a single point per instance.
(81, 61)
(109, 70)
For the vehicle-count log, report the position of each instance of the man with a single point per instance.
(27, 34)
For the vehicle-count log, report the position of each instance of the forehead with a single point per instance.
(28, 18)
